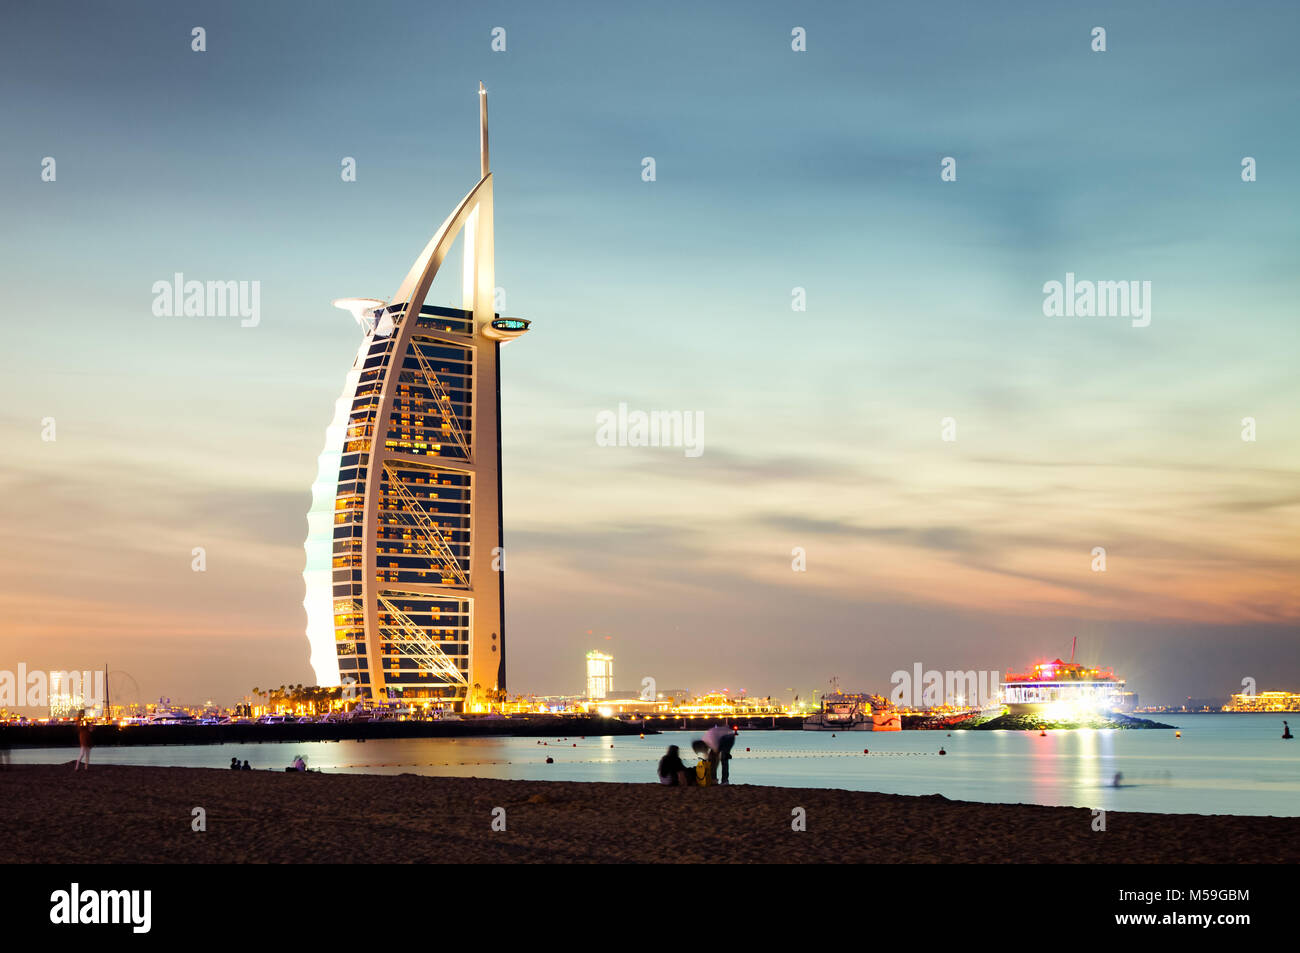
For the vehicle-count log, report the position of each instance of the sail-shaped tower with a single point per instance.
(405, 569)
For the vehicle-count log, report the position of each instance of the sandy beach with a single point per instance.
(119, 814)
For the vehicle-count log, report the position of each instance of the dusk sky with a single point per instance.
(774, 170)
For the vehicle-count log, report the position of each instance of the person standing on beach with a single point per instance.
(83, 738)
(720, 740)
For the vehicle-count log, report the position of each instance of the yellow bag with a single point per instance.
(703, 776)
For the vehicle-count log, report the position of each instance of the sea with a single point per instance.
(1215, 764)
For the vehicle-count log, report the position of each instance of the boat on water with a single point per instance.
(854, 711)
(1059, 688)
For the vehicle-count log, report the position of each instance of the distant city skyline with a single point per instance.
(826, 527)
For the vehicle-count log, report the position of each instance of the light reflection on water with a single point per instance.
(1222, 764)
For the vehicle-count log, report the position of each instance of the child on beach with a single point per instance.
(706, 769)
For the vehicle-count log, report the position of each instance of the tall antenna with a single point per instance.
(1073, 644)
(482, 122)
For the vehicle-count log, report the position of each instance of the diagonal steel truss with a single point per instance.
(442, 399)
(428, 536)
(415, 643)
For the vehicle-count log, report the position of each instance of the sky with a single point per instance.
(774, 170)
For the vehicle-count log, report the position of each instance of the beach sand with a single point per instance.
(120, 814)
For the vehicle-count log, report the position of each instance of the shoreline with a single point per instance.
(65, 735)
(516, 726)
(130, 814)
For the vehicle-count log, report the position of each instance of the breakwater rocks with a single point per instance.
(1040, 723)
(527, 726)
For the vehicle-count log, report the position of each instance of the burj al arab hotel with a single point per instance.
(405, 572)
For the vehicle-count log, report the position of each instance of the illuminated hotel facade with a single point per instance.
(1265, 701)
(600, 674)
(405, 572)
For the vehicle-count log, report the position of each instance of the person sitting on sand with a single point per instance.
(246, 767)
(671, 769)
(234, 764)
(299, 764)
(83, 738)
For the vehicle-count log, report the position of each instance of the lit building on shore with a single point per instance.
(1265, 701)
(405, 577)
(600, 675)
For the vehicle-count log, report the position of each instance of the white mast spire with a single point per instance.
(483, 138)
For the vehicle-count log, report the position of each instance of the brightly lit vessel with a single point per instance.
(854, 711)
(1062, 688)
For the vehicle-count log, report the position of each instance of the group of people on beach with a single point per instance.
(236, 766)
(714, 751)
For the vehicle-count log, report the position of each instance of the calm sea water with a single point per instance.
(1222, 764)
